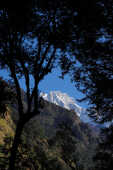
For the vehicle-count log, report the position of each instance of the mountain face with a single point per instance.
(45, 136)
(53, 138)
(63, 100)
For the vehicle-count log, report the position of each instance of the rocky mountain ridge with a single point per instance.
(67, 102)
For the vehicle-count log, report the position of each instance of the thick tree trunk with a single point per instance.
(15, 145)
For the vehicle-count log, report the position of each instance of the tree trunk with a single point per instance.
(15, 145)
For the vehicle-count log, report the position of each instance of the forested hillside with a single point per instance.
(55, 139)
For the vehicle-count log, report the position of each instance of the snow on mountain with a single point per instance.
(63, 100)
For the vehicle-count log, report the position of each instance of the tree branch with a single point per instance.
(37, 71)
(43, 57)
(18, 90)
(20, 57)
(11, 65)
(26, 75)
(48, 66)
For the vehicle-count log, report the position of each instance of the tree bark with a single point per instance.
(15, 145)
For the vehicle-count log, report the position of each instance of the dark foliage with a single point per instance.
(7, 96)
(104, 155)
(33, 32)
(93, 74)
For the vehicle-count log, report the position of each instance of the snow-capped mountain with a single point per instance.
(63, 100)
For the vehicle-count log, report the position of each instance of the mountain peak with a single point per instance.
(63, 100)
(67, 102)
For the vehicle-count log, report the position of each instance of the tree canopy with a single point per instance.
(34, 35)
(93, 73)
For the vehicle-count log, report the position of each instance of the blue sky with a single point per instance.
(52, 82)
